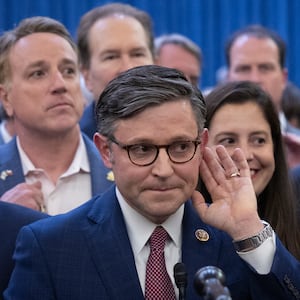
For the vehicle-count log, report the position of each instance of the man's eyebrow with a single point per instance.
(68, 61)
(38, 63)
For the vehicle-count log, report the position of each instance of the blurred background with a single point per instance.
(206, 22)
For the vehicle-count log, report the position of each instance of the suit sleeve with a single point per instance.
(283, 281)
(287, 270)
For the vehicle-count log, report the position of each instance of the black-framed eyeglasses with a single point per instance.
(144, 154)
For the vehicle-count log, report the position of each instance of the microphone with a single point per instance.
(180, 276)
(209, 283)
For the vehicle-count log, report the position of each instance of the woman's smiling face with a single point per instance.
(243, 125)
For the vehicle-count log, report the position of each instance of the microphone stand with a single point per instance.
(180, 276)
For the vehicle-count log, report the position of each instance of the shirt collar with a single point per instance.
(140, 228)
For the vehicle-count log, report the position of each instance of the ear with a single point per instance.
(102, 145)
(85, 74)
(4, 96)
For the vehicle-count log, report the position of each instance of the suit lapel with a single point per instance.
(99, 173)
(110, 248)
(10, 160)
(197, 251)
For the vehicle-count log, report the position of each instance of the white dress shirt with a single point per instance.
(72, 188)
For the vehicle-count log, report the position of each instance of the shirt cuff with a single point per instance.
(261, 258)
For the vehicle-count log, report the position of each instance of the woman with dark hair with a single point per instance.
(242, 115)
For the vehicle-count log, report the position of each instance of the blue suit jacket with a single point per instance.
(86, 254)
(10, 160)
(88, 123)
(12, 218)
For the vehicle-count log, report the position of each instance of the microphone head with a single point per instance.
(205, 274)
(180, 275)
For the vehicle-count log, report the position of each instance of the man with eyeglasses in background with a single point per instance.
(150, 132)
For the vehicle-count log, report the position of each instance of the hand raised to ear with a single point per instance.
(234, 203)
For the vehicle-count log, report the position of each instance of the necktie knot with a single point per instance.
(158, 239)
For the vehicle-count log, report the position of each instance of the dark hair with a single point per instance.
(141, 87)
(26, 27)
(260, 32)
(101, 12)
(276, 204)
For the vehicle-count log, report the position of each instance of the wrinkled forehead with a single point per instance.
(177, 116)
(33, 47)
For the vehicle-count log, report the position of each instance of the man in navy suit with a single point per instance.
(150, 132)
(40, 89)
(12, 218)
(111, 38)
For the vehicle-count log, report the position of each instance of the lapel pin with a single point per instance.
(110, 176)
(202, 235)
(6, 173)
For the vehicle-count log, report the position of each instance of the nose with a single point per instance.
(247, 150)
(58, 83)
(127, 63)
(162, 166)
(255, 76)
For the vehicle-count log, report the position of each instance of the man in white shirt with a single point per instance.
(40, 89)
